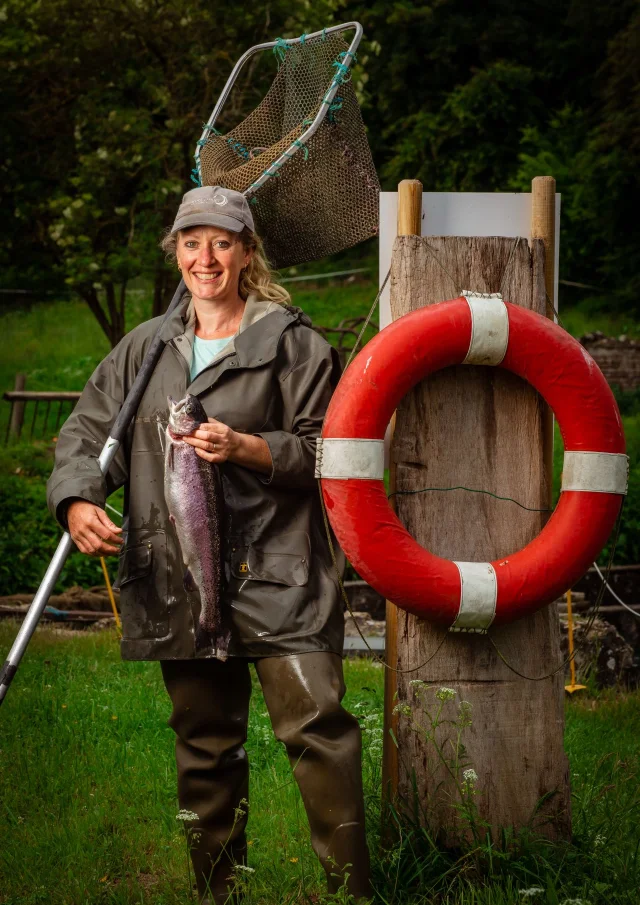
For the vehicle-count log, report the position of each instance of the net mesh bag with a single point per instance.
(325, 197)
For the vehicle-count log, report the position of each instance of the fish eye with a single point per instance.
(188, 409)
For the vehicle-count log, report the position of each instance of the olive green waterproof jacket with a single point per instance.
(273, 379)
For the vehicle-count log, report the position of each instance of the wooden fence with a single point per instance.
(48, 411)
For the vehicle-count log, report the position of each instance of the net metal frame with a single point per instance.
(308, 130)
(295, 146)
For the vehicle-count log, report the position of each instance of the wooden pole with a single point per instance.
(409, 224)
(480, 428)
(17, 409)
(410, 207)
(543, 226)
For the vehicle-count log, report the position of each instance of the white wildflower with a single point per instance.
(530, 893)
(470, 776)
(445, 694)
(418, 683)
(245, 868)
(599, 841)
(464, 711)
(402, 709)
(186, 815)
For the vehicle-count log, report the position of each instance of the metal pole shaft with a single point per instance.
(109, 450)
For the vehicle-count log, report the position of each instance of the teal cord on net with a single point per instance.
(195, 176)
(342, 71)
(239, 148)
(280, 49)
(507, 499)
(305, 149)
(333, 109)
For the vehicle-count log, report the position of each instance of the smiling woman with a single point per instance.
(256, 275)
(263, 378)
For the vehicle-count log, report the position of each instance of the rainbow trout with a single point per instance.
(193, 492)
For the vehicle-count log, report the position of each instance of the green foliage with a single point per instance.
(28, 534)
(454, 148)
(105, 104)
(484, 97)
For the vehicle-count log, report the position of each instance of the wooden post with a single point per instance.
(410, 207)
(409, 224)
(481, 428)
(543, 226)
(17, 410)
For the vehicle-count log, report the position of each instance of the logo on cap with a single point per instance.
(220, 199)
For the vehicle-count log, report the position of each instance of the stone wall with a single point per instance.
(617, 357)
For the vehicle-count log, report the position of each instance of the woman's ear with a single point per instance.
(248, 255)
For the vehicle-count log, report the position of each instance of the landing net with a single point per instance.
(322, 196)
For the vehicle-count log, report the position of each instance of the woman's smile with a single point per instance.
(211, 260)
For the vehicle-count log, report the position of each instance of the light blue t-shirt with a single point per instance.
(204, 350)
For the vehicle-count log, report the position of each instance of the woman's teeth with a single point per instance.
(207, 277)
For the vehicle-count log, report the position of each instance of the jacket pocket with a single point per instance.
(281, 560)
(142, 579)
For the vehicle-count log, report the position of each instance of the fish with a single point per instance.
(195, 500)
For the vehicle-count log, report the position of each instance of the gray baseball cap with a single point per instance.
(212, 205)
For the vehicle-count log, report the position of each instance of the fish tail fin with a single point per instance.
(222, 645)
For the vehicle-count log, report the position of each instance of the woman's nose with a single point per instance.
(206, 256)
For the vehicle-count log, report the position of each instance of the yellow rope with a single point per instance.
(110, 593)
(571, 687)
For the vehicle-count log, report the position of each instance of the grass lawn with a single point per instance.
(87, 798)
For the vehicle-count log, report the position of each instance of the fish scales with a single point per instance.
(193, 492)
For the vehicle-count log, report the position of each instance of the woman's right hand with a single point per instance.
(92, 530)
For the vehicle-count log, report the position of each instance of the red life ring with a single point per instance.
(472, 329)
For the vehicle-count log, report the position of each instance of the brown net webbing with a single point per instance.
(325, 198)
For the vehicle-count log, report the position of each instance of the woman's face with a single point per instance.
(211, 260)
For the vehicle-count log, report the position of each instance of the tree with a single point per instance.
(105, 104)
(481, 97)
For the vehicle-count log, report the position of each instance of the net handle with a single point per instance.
(324, 107)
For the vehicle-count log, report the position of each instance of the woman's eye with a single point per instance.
(222, 244)
(190, 244)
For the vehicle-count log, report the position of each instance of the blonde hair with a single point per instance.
(255, 277)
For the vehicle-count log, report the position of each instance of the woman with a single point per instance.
(265, 379)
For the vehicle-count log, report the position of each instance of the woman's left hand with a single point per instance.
(214, 441)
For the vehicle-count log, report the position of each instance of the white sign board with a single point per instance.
(460, 214)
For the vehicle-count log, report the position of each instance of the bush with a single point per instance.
(28, 534)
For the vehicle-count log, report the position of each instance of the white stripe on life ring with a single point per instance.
(596, 472)
(478, 596)
(489, 330)
(349, 458)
